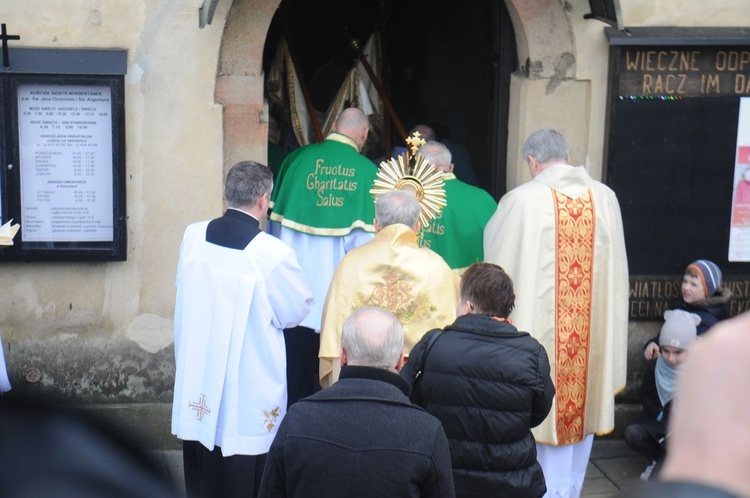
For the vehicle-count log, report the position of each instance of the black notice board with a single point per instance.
(671, 142)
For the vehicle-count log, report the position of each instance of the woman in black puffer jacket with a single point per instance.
(488, 384)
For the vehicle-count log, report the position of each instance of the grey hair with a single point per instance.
(396, 206)
(373, 337)
(436, 154)
(545, 146)
(246, 182)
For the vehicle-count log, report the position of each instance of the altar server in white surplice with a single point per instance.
(237, 289)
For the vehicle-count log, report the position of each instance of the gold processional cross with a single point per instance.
(415, 142)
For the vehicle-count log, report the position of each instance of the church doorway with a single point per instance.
(443, 64)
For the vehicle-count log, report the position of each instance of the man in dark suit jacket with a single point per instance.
(362, 436)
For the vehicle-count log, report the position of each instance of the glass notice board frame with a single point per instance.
(62, 146)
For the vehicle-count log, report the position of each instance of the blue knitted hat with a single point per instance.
(709, 273)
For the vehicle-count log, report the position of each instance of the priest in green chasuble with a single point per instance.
(456, 233)
(322, 208)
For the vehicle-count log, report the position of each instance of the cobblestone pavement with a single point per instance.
(612, 468)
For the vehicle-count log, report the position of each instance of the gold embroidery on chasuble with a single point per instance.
(396, 295)
(271, 417)
(574, 275)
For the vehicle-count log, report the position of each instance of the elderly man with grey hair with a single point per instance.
(392, 272)
(560, 239)
(456, 234)
(362, 436)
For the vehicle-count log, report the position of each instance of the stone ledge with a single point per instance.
(149, 424)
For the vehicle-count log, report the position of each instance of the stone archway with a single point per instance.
(239, 81)
(545, 46)
(545, 92)
(544, 39)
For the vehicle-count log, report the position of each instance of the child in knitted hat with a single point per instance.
(678, 333)
(703, 295)
(702, 279)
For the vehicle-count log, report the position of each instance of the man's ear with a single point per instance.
(450, 168)
(530, 164)
(344, 359)
(263, 201)
(534, 167)
(376, 225)
(417, 226)
(401, 362)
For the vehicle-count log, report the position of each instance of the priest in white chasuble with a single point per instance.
(560, 238)
(237, 289)
(391, 272)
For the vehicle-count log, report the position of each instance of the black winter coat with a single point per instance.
(489, 385)
(711, 310)
(361, 437)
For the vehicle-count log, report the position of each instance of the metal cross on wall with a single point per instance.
(4, 37)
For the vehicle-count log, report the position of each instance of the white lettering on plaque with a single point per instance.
(65, 137)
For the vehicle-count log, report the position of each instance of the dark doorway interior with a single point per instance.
(448, 65)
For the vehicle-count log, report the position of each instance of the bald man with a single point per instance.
(323, 209)
(362, 436)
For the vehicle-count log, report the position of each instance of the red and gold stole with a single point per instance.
(575, 222)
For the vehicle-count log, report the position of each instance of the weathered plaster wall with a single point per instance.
(101, 332)
(239, 86)
(556, 45)
(534, 107)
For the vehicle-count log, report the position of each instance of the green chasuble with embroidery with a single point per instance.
(324, 189)
(457, 233)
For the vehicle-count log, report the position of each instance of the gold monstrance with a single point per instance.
(410, 171)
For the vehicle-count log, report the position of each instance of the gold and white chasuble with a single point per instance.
(560, 239)
(391, 272)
